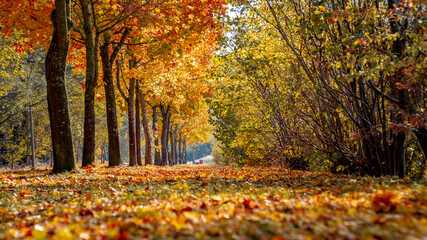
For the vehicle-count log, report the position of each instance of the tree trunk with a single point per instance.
(172, 155)
(138, 125)
(175, 148)
(27, 137)
(184, 159)
(168, 149)
(110, 102)
(33, 140)
(91, 81)
(147, 136)
(156, 138)
(114, 158)
(421, 134)
(56, 60)
(164, 139)
(180, 150)
(405, 103)
(398, 47)
(131, 118)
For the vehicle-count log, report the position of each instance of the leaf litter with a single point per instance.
(208, 202)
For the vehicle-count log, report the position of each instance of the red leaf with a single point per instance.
(86, 212)
(247, 204)
(186, 209)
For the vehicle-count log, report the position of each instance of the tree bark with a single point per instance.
(175, 140)
(172, 152)
(164, 138)
(147, 136)
(56, 60)
(138, 125)
(110, 101)
(405, 103)
(33, 140)
(180, 149)
(184, 159)
(169, 143)
(27, 136)
(398, 47)
(131, 116)
(421, 134)
(157, 160)
(91, 81)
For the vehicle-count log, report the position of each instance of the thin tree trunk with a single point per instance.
(107, 68)
(147, 136)
(168, 144)
(131, 116)
(164, 139)
(56, 60)
(397, 49)
(180, 150)
(33, 140)
(168, 149)
(421, 134)
(91, 81)
(175, 148)
(185, 152)
(138, 125)
(172, 153)
(156, 138)
(110, 101)
(28, 138)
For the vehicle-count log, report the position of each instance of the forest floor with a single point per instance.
(208, 202)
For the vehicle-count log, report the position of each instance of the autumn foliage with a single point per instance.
(324, 84)
(208, 202)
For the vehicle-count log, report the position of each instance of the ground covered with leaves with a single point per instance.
(208, 202)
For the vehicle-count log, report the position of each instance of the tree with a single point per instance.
(147, 135)
(322, 75)
(56, 59)
(107, 67)
(90, 84)
(157, 160)
(55, 64)
(138, 128)
(130, 102)
(166, 114)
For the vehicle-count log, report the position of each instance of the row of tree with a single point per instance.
(158, 52)
(327, 83)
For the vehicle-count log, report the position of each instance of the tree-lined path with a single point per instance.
(313, 111)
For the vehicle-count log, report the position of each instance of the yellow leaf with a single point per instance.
(64, 234)
(39, 232)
